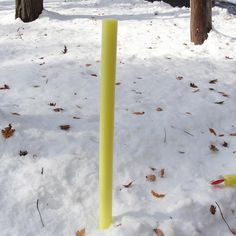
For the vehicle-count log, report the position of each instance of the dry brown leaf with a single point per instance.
(8, 132)
(139, 113)
(94, 75)
(87, 65)
(224, 94)
(195, 91)
(15, 114)
(58, 109)
(157, 195)
(219, 103)
(188, 113)
(232, 134)
(128, 185)
(225, 144)
(118, 83)
(212, 131)
(65, 50)
(192, 85)
(159, 109)
(151, 178)
(64, 127)
(158, 232)
(179, 77)
(162, 173)
(229, 58)
(80, 232)
(5, 86)
(52, 104)
(23, 153)
(76, 118)
(213, 148)
(213, 81)
(212, 209)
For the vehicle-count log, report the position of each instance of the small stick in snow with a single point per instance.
(165, 135)
(188, 133)
(231, 230)
(40, 213)
(42, 171)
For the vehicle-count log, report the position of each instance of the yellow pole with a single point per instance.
(230, 180)
(107, 100)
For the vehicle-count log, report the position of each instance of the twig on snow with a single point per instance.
(40, 213)
(165, 135)
(232, 231)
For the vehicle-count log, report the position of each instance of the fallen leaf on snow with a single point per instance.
(229, 58)
(192, 85)
(213, 148)
(162, 173)
(128, 185)
(80, 232)
(158, 232)
(212, 131)
(139, 113)
(159, 109)
(179, 77)
(87, 65)
(195, 91)
(23, 153)
(5, 86)
(15, 114)
(152, 168)
(157, 195)
(94, 75)
(52, 104)
(58, 109)
(225, 144)
(8, 132)
(212, 209)
(219, 103)
(221, 135)
(65, 50)
(64, 127)
(213, 81)
(118, 83)
(76, 118)
(223, 94)
(232, 134)
(151, 178)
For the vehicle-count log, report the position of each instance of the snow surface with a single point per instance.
(61, 167)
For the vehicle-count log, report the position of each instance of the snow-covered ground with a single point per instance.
(183, 93)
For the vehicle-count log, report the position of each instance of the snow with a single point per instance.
(61, 167)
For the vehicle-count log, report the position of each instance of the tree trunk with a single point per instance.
(28, 10)
(198, 21)
(209, 15)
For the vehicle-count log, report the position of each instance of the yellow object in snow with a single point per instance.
(107, 101)
(230, 180)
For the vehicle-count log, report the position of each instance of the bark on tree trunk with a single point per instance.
(28, 10)
(209, 15)
(198, 21)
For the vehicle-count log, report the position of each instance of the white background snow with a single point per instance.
(61, 167)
